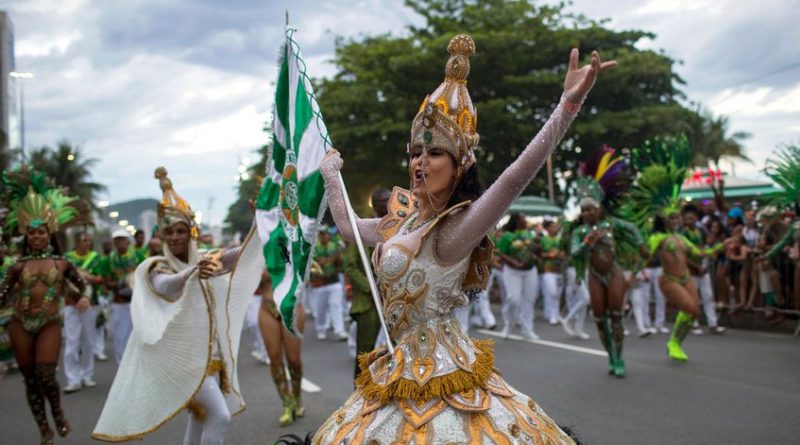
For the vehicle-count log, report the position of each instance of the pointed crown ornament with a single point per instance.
(447, 118)
(173, 209)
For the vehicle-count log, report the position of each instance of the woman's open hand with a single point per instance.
(579, 81)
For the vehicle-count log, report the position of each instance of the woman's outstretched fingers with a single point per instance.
(573, 59)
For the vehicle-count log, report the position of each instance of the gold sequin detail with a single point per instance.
(513, 428)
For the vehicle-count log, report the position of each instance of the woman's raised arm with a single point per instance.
(473, 223)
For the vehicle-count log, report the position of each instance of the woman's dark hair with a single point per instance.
(512, 224)
(691, 208)
(660, 225)
(469, 188)
(55, 246)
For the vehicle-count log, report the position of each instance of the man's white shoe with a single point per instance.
(663, 330)
(567, 328)
(342, 336)
(75, 387)
(101, 357)
(583, 335)
(506, 331)
(530, 335)
(89, 383)
(321, 336)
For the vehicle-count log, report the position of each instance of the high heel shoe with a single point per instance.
(47, 435)
(62, 426)
(288, 415)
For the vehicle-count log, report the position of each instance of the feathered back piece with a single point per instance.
(603, 179)
(34, 203)
(662, 164)
(784, 169)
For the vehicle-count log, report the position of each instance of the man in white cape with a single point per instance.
(187, 315)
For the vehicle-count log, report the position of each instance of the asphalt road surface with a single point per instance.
(739, 388)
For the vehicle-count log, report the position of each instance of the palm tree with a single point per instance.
(711, 142)
(67, 167)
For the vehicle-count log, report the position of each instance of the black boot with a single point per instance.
(46, 376)
(36, 401)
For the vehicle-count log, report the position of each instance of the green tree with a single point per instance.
(711, 140)
(515, 82)
(67, 167)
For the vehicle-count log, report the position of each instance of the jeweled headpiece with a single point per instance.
(447, 119)
(34, 203)
(173, 209)
(602, 179)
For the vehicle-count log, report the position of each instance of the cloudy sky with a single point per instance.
(187, 83)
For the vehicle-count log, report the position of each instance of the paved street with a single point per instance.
(739, 388)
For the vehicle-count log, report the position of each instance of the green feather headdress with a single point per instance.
(662, 164)
(32, 202)
(784, 169)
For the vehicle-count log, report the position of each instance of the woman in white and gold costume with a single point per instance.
(187, 313)
(440, 387)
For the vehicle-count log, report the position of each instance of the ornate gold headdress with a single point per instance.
(447, 119)
(173, 209)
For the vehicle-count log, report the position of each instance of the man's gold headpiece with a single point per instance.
(173, 209)
(447, 119)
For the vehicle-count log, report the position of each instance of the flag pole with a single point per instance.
(351, 215)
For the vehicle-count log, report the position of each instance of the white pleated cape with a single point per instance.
(169, 349)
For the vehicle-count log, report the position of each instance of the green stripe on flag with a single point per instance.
(269, 195)
(302, 114)
(282, 93)
(311, 190)
(288, 303)
(273, 255)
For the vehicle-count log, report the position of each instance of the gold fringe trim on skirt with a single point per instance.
(440, 386)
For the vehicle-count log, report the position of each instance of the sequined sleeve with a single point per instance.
(169, 285)
(12, 276)
(473, 223)
(73, 275)
(367, 227)
(228, 258)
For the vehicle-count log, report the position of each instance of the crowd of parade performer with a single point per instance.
(175, 307)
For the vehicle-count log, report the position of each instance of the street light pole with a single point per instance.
(21, 76)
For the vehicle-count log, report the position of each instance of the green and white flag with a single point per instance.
(291, 200)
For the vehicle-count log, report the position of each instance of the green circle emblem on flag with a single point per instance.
(288, 198)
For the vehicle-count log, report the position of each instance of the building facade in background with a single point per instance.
(10, 101)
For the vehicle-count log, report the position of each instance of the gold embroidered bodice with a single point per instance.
(419, 295)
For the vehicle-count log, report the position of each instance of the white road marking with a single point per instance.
(309, 386)
(552, 344)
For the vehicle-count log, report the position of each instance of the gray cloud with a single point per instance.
(188, 83)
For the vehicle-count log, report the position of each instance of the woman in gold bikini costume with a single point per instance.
(279, 343)
(37, 284)
(439, 386)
